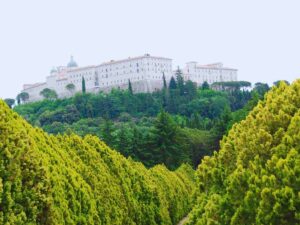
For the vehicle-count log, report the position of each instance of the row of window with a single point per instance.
(166, 67)
(81, 74)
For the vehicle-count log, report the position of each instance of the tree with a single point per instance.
(48, 93)
(123, 142)
(164, 81)
(130, 87)
(205, 86)
(22, 97)
(165, 139)
(172, 84)
(180, 81)
(39, 170)
(276, 83)
(10, 102)
(70, 87)
(231, 85)
(190, 89)
(261, 88)
(253, 178)
(107, 131)
(83, 87)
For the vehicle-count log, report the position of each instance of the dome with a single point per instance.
(72, 63)
(53, 70)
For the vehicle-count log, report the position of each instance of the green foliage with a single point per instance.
(130, 87)
(277, 83)
(70, 87)
(10, 102)
(255, 177)
(173, 84)
(180, 81)
(166, 142)
(205, 85)
(49, 94)
(127, 114)
(231, 85)
(22, 97)
(164, 81)
(83, 87)
(65, 179)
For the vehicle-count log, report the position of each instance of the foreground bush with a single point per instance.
(46, 179)
(255, 177)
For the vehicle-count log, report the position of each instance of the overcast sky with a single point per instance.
(261, 38)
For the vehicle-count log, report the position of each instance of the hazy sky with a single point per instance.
(261, 38)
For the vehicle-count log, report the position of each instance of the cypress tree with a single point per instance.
(130, 87)
(83, 85)
(164, 81)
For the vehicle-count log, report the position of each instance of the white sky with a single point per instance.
(261, 38)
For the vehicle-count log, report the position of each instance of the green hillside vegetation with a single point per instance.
(66, 179)
(197, 118)
(255, 177)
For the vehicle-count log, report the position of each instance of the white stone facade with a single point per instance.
(210, 73)
(144, 72)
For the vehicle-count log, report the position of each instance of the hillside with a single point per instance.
(46, 179)
(255, 177)
(130, 122)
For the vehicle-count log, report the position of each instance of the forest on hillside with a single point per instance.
(180, 123)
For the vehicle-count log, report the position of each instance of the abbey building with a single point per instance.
(144, 72)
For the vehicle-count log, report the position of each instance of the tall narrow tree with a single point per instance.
(130, 87)
(164, 81)
(180, 81)
(83, 85)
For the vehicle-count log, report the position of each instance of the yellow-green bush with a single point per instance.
(46, 179)
(255, 177)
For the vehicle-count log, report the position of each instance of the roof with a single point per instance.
(81, 68)
(133, 58)
(32, 85)
(218, 65)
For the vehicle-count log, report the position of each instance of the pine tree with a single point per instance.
(180, 81)
(83, 87)
(166, 141)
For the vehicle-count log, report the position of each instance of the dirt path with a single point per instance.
(183, 221)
